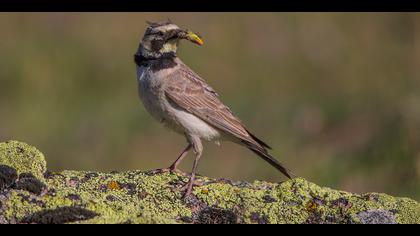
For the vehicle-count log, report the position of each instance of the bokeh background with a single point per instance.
(336, 95)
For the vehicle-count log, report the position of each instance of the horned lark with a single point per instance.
(180, 99)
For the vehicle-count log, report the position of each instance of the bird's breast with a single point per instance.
(149, 90)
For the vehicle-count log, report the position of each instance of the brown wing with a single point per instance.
(191, 93)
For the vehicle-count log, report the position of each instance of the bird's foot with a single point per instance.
(188, 187)
(173, 169)
(168, 170)
(159, 171)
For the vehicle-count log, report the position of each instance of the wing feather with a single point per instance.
(190, 92)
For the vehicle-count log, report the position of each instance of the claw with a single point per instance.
(177, 171)
(187, 188)
(159, 171)
(168, 170)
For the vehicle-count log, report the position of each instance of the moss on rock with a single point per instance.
(23, 158)
(142, 197)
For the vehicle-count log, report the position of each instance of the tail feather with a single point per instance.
(259, 141)
(262, 152)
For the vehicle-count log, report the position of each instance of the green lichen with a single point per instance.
(24, 158)
(299, 201)
(139, 197)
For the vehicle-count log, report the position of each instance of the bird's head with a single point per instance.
(161, 38)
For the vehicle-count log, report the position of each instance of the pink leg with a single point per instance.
(173, 168)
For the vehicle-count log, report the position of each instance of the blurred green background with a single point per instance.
(336, 95)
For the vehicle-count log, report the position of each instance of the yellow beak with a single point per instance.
(193, 37)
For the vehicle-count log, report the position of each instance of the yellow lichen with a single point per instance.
(23, 158)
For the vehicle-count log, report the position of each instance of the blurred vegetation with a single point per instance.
(336, 95)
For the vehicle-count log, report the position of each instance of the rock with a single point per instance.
(8, 176)
(23, 158)
(59, 215)
(30, 183)
(376, 217)
(141, 197)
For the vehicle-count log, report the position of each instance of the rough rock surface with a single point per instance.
(30, 194)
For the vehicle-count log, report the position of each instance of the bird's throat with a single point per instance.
(156, 62)
(169, 47)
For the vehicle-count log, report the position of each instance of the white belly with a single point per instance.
(193, 125)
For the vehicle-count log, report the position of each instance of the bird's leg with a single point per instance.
(173, 167)
(190, 184)
(198, 148)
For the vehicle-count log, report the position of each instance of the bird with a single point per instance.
(181, 100)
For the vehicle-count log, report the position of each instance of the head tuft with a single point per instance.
(158, 24)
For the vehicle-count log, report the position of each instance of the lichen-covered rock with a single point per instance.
(23, 158)
(144, 197)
